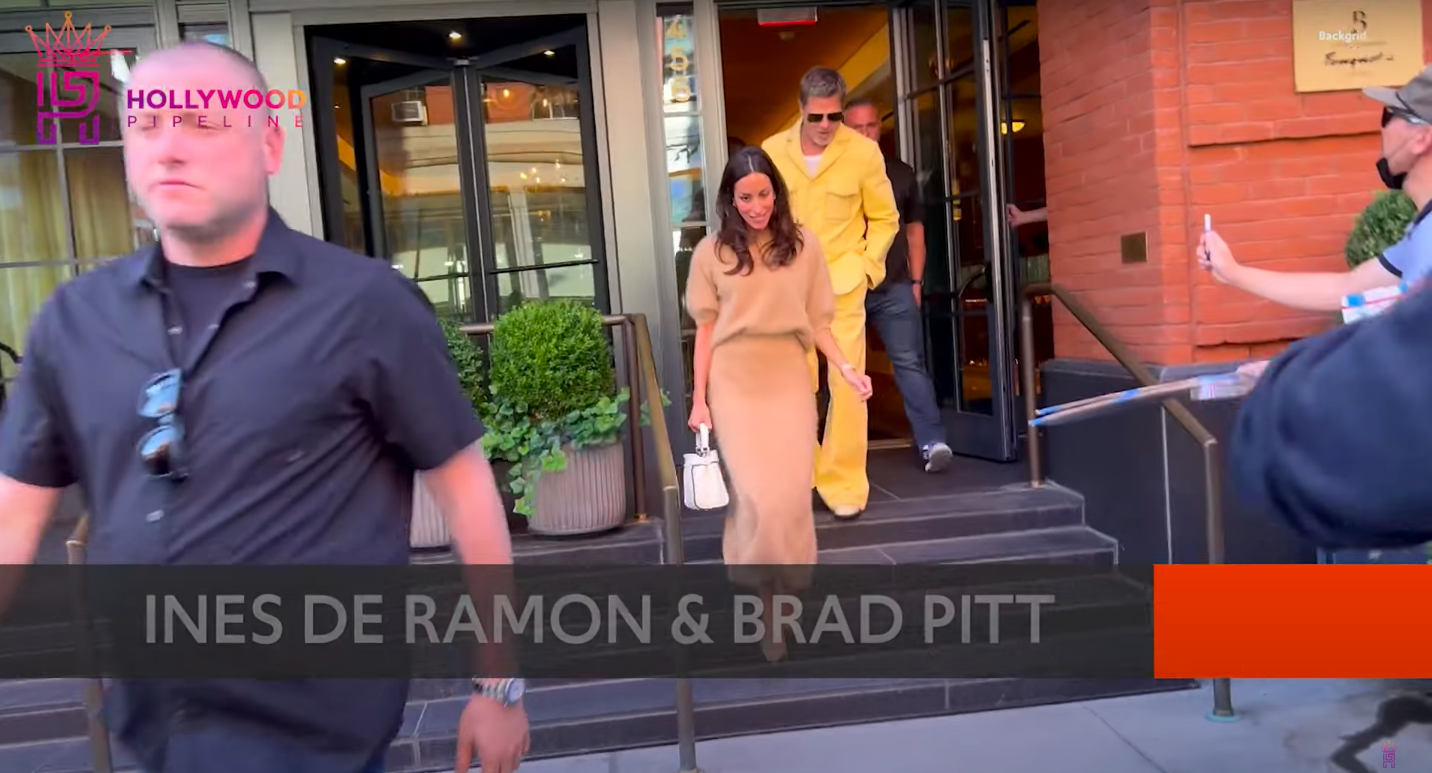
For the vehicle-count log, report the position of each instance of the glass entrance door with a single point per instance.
(476, 176)
(953, 78)
(536, 138)
(415, 214)
(397, 184)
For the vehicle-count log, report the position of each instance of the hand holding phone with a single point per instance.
(1207, 261)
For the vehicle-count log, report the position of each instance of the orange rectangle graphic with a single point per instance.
(1312, 621)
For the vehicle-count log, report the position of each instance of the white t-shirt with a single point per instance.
(812, 163)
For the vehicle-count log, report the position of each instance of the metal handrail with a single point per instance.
(1212, 488)
(642, 380)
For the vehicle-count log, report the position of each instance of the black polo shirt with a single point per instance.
(906, 187)
(308, 403)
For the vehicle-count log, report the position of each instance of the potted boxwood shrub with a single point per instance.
(555, 414)
(429, 528)
(1379, 226)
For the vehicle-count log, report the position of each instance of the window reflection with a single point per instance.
(537, 188)
(424, 230)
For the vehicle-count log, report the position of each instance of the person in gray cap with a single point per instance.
(1404, 166)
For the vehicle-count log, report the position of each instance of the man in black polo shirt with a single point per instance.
(245, 394)
(893, 307)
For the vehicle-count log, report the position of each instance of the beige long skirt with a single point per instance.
(764, 412)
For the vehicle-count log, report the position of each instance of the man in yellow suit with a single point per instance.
(839, 190)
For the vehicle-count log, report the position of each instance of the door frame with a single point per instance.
(992, 436)
(465, 73)
(485, 289)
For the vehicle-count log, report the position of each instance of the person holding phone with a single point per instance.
(1405, 166)
(1330, 438)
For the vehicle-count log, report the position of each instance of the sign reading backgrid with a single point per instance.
(984, 621)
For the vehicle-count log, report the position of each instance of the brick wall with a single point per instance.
(1159, 111)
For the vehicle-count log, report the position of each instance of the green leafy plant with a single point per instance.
(468, 359)
(1379, 226)
(552, 384)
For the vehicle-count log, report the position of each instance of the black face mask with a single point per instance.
(1393, 181)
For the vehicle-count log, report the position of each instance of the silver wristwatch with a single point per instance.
(505, 691)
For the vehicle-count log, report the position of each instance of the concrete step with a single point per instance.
(920, 520)
(609, 715)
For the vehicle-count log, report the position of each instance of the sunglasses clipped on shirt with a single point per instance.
(161, 450)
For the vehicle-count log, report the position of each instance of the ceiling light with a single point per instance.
(339, 60)
(549, 52)
(455, 35)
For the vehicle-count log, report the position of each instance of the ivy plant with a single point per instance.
(468, 359)
(1379, 226)
(552, 385)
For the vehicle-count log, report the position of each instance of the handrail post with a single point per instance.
(636, 393)
(675, 546)
(1212, 486)
(100, 755)
(1213, 521)
(1026, 372)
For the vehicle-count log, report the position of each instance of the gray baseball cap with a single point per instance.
(1415, 97)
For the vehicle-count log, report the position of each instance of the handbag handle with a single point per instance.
(703, 440)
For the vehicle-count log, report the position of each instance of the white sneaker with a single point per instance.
(938, 457)
(846, 511)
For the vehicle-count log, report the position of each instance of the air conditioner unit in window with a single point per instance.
(410, 112)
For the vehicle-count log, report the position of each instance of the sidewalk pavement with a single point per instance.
(1284, 726)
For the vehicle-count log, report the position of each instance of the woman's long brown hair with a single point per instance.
(786, 240)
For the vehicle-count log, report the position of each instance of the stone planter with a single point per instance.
(589, 496)
(429, 528)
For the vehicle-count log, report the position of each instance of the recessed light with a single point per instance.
(455, 35)
(549, 52)
(339, 60)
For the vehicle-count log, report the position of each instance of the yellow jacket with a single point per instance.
(848, 203)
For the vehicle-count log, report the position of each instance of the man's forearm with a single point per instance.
(478, 524)
(27, 511)
(1310, 291)
(915, 236)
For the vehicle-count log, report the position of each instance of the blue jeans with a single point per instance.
(893, 312)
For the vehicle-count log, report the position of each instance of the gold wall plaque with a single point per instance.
(1341, 45)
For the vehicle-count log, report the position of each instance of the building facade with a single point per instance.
(426, 131)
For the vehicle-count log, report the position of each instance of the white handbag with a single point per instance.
(703, 486)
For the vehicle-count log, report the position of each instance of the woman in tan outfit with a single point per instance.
(760, 294)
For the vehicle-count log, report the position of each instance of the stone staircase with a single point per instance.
(42, 721)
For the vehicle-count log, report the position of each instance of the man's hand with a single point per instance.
(497, 733)
(1214, 256)
(917, 290)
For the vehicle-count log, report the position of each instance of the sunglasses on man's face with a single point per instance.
(1389, 113)
(161, 449)
(835, 117)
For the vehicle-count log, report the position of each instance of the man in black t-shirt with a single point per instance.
(893, 306)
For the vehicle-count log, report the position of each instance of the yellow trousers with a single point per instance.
(840, 476)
